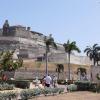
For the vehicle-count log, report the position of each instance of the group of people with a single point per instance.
(49, 81)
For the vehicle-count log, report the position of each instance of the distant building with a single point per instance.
(30, 44)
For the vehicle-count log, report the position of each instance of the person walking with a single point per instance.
(48, 80)
(55, 84)
(43, 81)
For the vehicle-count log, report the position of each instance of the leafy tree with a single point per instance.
(17, 64)
(98, 76)
(69, 47)
(7, 63)
(93, 53)
(49, 41)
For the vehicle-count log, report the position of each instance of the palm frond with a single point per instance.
(65, 47)
(71, 46)
(88, 52)
(1, 53)
(91, 56)
(77, 49)
(49, 41)
(68, 42)
(95, 45)
(54, 45)
(73, 43)
(87, 49)
(93, 52)
(97, 48)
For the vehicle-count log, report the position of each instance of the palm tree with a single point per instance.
(98, 57)
(49, 41)
(93, 53)
(69, 47)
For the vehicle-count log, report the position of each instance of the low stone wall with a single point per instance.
(32, 74)
(9, 74)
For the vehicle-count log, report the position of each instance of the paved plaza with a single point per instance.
(81, 95)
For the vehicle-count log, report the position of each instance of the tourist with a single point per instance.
(48, 80)
(55, 84)
(43, 81)
(4, 77)
(36, 81)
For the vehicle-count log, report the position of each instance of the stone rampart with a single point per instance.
(94, 71)
(32, 44)
(31, 74)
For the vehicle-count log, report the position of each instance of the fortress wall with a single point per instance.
(3, 38)
(0, 32)
(81, 60)
(62, 58)
(57, 58)
(37, 48)
(94, 71)
(21, 32)
(32, 43)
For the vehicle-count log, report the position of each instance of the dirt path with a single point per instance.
(72, 96)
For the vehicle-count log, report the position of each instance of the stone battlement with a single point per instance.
(30, 44)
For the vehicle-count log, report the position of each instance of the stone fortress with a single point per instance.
(30, 44)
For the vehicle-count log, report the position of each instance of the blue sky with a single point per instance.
(76, 20)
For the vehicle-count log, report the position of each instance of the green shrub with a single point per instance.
(93, 87)
(1, 87)
(1, 96)
(6, 86)
(72, 87)
(37, 92)
(61, 90)
(8, 95)
(70, 82)
(20, 83)
(47, 91)
(26, 94)
(83, 85)
(63, 82)
(29, 93)
(96, 88)
(51, 91)
(86, 86)
(55, 90)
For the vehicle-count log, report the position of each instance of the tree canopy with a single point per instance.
(7, 63)
(93, 53)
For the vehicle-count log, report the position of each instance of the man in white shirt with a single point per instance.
(48, 80)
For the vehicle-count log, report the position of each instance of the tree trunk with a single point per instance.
(46, 63)
(94, 61)
(58, 75)
(68, 66)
